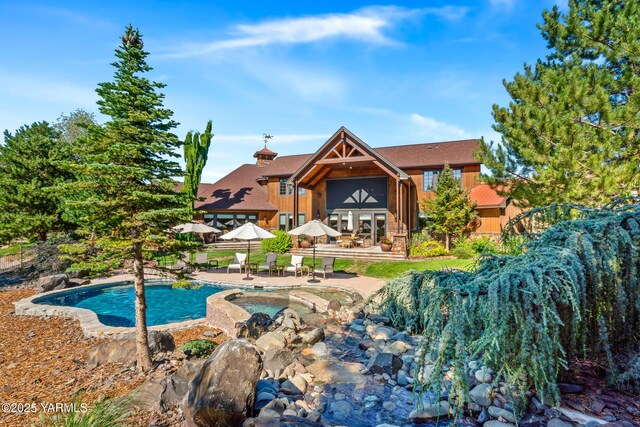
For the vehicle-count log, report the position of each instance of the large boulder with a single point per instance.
(222, 392)
(124, 350)
(116, 351)
(429, 412)
(161, 394)
(255, 326)
(52, 283)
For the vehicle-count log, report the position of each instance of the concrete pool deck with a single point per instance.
(363, 285)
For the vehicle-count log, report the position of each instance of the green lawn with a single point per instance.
(382, 270)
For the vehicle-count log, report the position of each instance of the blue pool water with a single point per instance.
(114, 305)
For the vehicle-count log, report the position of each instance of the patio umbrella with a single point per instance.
(195, 227)
(350, 221)
(248, 232)
(315, 229)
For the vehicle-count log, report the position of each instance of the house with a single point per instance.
(381, 187)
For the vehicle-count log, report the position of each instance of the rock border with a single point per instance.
(230, 314)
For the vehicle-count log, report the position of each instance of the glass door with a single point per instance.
(381, 227)
(365, 225)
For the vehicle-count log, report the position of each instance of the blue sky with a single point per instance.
(393, 73)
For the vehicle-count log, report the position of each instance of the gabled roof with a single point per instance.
(432, 154)
(340, 136)
(236, 191)
(487, 197)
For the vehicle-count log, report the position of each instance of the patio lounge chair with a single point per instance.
(203, 261)
(296, 265)
(325, 267)
(270, 263)
(239, 262)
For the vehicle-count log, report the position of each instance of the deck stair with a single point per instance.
(369, 254)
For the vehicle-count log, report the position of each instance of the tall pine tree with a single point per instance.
(196, 152)
(124, 195)
(570, 133)
(451, 210)
(28, 170)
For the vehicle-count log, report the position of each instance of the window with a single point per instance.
(285, 221)
(302, 218)
(229, 221)
(302, 191)
(430, 178)
(285, 189)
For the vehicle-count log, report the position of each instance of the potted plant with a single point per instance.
(386, 244)
(304, 241)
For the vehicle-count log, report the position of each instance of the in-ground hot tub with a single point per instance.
(108, 308)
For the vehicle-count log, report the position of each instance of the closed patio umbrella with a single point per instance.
(350, 221)
(315, 229)
(248, 232)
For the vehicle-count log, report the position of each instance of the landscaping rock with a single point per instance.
(569, 388)
(313, 336)
(557, 422)
(494, 423)
(481, 394)
(255, 326)
(430, 412)
(397, 348)
(320, 349)
(52, 283)
(222, 392)
(116, 351)
(386, 363)
(334, 305)
(384, 332)
(276, 360)
(325, 371)
(496, 412)
(271, 340)
(483, 375)
(161, 342)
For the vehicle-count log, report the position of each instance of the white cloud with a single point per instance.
(431, 129)
(364, 25)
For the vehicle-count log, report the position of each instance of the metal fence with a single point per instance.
(18, 261)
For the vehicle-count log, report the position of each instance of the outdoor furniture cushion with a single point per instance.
(296, 265)
(270, 262)
(325, 267)
(239, 262)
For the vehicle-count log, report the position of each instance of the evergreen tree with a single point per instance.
(28, 170)
(196, 152)
(571, 132)
(450, 210)
(124, 195)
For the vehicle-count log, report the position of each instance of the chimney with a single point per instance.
(265, 156)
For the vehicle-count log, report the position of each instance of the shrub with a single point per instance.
(185, 284)
(463, 250)
(573, 293)
(280, 244)
(199, 348)
(106, 413)
(49, 259)
(428, 249)
(470, 248)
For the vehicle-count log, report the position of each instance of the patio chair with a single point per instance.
(203, 261)
(270, 263)
(296, 265)
(239, 262)
(178, 265)
(325, 267)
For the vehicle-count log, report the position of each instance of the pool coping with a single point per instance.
(93, 328)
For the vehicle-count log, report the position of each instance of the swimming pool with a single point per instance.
(114, 304)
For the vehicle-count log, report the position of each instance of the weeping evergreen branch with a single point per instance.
(573, 293)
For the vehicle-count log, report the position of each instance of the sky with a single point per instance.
(393, 73)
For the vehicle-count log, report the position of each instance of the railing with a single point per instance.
(18, 261)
